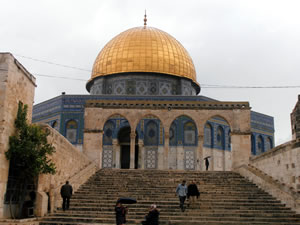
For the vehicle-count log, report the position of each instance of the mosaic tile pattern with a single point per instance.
(107, 157)
(189, 159)
(151, 158)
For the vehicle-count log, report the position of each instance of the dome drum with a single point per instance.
(142, 84)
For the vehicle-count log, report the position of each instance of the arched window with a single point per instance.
(220, 138)
(260, 145)
(108, 132)
(208, 135)
(253, 144)
(189, 133)
(269, 144)
(71, 131)
(151, 133)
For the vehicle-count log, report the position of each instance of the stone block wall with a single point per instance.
(282, 163)
(16, 84)
(71, 164)
(295, 120)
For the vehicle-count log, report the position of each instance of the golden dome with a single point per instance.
(144, 49)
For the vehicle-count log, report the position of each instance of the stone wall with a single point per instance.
(16, 84)
(173, 157)
(295, 120)
(282, 163)
(273, 187)
(71, 164)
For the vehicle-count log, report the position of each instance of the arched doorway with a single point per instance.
(124, 141)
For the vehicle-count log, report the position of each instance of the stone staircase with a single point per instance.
(226, 198)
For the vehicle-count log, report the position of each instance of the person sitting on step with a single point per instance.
(152, 217)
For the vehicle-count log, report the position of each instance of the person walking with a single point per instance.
(181, 192)
(206, 163)
(152, 217)
(66, 192)
(121, 212)
(192, 193)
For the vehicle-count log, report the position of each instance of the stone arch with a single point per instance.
(186, 131)
(114, 115)
(183, 142)
(174, 116)
(151, 138)
(146, 115)
(111, 151)
(221, 131)
(151, 130)
(223, 117)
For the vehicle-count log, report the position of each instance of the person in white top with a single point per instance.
(181, 192)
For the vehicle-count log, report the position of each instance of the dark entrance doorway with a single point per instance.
(124, 141)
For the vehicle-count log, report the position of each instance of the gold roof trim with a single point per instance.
(144, 49)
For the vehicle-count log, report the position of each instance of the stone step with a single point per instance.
(226, 198)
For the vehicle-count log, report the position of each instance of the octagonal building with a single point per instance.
(144, 111)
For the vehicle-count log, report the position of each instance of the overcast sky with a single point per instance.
(231, 42)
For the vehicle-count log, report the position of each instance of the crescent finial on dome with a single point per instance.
(145, 19)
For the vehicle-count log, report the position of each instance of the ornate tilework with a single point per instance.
(142, 88)
(153, 88)
(220, 138)
(208, 134)
(189, 133)
(189, 159)
(151, 133)
(71, 131)
(109, 128)
(130, 87)
(151, 158)
(119, 88)
(107, 157)
(165, 88)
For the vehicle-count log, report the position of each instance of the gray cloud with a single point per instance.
(231, 42)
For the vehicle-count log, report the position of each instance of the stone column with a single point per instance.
(166, 151)
(199, 153)
(116, 153)
(132, 149)
(241, 148)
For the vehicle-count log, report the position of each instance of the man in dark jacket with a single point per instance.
(66, 192)
(192, 193)
(152, 217)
